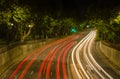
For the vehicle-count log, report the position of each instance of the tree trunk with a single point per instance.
(25, 35)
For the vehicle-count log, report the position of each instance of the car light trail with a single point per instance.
(85, 45)
(94, 61)
(73, 61)
(63, 52)
(33, 53)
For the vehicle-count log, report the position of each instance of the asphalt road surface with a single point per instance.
(66, 58)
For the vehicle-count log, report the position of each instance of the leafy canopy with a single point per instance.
(14, 14)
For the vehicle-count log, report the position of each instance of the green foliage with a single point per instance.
(107, 30)
(117, 20)
(106, 21)
(115, 27)
(20, 14)
(1, 2)
(16, 14)
(17, 19)
(49, 26)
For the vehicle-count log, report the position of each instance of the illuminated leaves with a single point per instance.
(107, 30)
(18, 21)
(117, 19)
(20, 14)
(17, 13)
(5, 16)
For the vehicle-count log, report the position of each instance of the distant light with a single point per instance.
(73, 30)
(88, 26)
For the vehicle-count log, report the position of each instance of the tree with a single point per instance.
(101, 26)
(17, 19)
(107, 30)
(115, 27)
(1, 2)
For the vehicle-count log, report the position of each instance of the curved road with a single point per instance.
(67, 58)
(48, 62)
(85, 66)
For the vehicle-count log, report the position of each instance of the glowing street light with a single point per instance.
(11, 24)
(30, 25)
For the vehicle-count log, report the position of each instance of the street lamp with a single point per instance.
(11, 24)
(31, 25)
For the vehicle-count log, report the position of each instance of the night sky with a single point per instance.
(66, 4)
(79, 3)
(74, 6)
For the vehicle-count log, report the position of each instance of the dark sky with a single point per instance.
(69, 5)
(75, 3)
(84, 3)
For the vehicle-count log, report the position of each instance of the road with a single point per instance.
(48, 62)
(87, 66)
(67, 58)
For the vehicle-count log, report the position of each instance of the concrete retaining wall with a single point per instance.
(16, 52)
(14, 55)
(111, 53)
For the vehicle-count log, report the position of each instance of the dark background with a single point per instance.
(66, 6)
(70, 7)
(71, 4)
